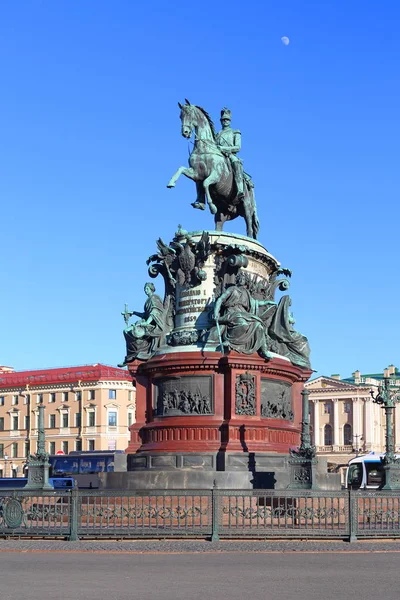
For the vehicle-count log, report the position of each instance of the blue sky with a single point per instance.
(90, 136)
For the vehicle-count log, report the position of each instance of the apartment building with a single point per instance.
(87, 407)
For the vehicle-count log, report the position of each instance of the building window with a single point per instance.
(347, 435)
(52, 421)
(27, 398)
(14, 450)
(78, 445)
(112, 394)
(27, 450)
(130, 418)
(327, 408)
(1, 400)
(78, 420)
(14, 422)
(328, 435)
(130, 395)
(112, 418)
(91, 419)
(65, 420)
(65, 447)
(1, 423)
(65, 396)
(52, 447)
(1, 450)
(92, 394)
(91, 445)
(52, 397)
(78, 396)
(347, 406)
(27, 422)
(39, 398)
(14, 400)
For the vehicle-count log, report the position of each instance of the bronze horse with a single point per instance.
(212, 172)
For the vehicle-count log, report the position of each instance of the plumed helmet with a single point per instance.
(226, 114)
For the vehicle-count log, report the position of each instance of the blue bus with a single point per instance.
(87, 463)
(58, 483)
(86, 467)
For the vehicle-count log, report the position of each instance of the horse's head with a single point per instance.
(189, 118)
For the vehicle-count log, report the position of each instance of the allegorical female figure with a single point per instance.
(145, 336)
(286, 340)
(239, 325)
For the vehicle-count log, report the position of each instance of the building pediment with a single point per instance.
(331, 383)
(90, 406)
(111, 405)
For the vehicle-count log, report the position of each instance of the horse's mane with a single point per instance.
(209, 119)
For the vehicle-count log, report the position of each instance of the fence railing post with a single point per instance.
(353, 516)
(73, 516)
(215, 513)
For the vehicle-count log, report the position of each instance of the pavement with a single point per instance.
(44, 570)
(197, 546)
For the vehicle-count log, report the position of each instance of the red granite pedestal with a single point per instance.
(253, 418)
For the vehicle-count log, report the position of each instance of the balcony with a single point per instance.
(325, 449)
(90, 430)
(17, 433)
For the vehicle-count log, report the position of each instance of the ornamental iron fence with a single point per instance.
(213, 514)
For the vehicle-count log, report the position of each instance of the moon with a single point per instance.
(285, 40)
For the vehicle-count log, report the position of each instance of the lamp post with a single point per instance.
(391, 465)
(5, 464)
(302, 461)
(38, 464)
(357, 437)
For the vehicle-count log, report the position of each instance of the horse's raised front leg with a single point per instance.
(212, 178)
(188, 171)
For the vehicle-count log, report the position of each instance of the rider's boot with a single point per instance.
(238, 172)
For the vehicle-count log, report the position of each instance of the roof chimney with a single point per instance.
(335, 376)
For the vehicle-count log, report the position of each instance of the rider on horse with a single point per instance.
(230, 141)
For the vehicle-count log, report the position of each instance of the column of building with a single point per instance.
(336, 437)
(317, 441)
(368, 424)
(357, 429)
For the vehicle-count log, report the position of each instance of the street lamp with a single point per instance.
(302, 461)
(5, 464)
(388, 399)
(357, 445)
(38, 464)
